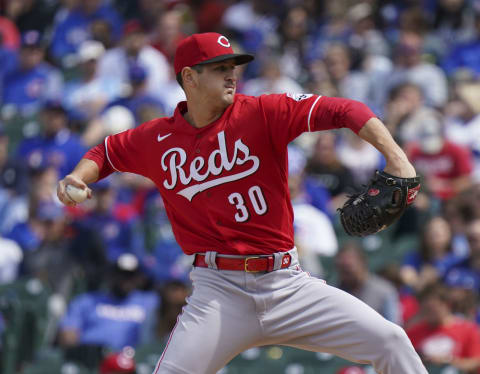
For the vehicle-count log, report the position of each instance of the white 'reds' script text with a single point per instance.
(174, 159)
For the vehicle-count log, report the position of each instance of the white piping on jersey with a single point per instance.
(108, 157)
(311, 110)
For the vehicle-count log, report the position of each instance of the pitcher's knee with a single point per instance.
(392, 337)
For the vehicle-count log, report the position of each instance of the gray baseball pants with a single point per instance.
(231, 311)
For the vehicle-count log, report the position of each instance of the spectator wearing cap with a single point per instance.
(134, 50)
(56, 146)
(118, 234)
(34, 81)
(355, 278)
(86, 96)
(440, 337)
(314, 234)
(113, 317)
(139, 101)
(119, 363)
(471, 263)
(71, 28)
(463, 288)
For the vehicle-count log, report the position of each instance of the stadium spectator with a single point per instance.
(408, 302)
(168, 33)
(56, 146)
(462, 288)
(272, 80)
(34, 81)
(9, 34)
(355, 278)
(470, 265)
(433, 258)
(139, 101)
(172, 294)
(352, 84)
(31, 14)
(295, 44)
(359, 157)
(445, 166)
(442, 338)
(10, 261)
(325, 167)
(13, 186)
(134, 49)
(462, 118)
(71, 27)
(87, 95)
(112, 318)
(405, 112)
(314, 234)
(118, 236)
(409, 67)
(51, 261)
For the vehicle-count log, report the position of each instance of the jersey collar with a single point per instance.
(182, 124)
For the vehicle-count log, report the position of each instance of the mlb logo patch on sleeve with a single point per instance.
(298, 97)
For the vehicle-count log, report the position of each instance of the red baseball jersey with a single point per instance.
(225, 186)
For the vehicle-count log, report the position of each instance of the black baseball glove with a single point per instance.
(380, 204)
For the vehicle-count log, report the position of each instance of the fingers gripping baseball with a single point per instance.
(72, 190)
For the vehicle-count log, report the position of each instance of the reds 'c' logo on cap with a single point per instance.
(223, 41)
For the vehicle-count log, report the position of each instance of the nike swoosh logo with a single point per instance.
(160, 138)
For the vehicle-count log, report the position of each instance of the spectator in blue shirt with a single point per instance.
(464, 55)
(72, 27)
(113, 318)
(431, 261)
(143, 105)
(34, 81)
(57, 146)
(119, 236)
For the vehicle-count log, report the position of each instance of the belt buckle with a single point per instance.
(246, 265)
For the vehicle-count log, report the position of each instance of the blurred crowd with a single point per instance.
(73, 72)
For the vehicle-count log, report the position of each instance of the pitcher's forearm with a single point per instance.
(375, 132)
(86, 170)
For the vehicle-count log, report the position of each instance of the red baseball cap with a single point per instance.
(117, 363)
(351, 370)
(206, 48)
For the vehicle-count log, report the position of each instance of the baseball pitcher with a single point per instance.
(220, 164)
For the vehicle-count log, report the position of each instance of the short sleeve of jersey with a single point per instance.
(289, 115)
(126, 151)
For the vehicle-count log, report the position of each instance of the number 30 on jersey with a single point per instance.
(257, 199)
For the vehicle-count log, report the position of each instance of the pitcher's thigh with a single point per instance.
(205, 338)
(323, 318)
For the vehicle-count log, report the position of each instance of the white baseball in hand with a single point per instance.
(75, 194)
